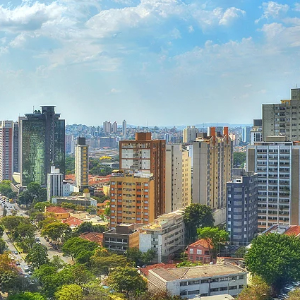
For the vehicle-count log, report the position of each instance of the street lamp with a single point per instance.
(228, 285)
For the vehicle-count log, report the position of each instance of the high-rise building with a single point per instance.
(147, 156)
(212, 165)
(178, 178)
(282, 118)
(241, 210)
(6, 150)
(70, 144)
(189, 134)
(277, 163)
(114, 127)
(256, 131)
(81, 164)
(124, 130)
(107, 127)
(246, 134)
(131, 198)
(54, 183)
(16, 147)
(41, 145)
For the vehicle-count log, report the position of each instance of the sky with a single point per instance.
(150, 62)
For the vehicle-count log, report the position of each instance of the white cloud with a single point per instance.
(29, 18)
(231, 14)
(273, 10)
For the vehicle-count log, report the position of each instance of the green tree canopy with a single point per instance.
(126, 280)
(214, 237)
(26, 296)
(275, 258)
(37, 256)
(2, 246)
(139, 258)
(257, 290)
(56, 231)
(89, 227)
(197, 216)
(239, 159)
(69, 292)
(294, 295)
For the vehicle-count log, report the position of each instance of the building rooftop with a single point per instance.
(72, 221)
(93, 237)
(56, 210)
(202, 243)
(196, 272)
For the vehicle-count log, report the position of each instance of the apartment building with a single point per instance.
(241, 210)
(178, 177)
(121, 238)
(54, 183)
(277, 163)
(256, 131)
(189, 134)
(131, 198)
(206, 280)
(81, 164)
(212, 165)
(282, 118)
(165, 235)
(6, 150)
(147, 156)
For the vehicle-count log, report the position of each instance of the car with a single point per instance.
(17, 263)
(26, 269)
(15, 252)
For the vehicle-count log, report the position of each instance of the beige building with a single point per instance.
(189, 134)
(282, 118)
(178, 177)
(277, 163)
(81, 164)
(212, 166)
(165, 235)
(131, 198)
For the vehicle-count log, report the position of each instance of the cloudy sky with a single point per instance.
(155, 62)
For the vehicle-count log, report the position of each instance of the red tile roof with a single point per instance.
(202, 243)
(72, 221)
(293, 230)
(104, 204)
(93, 237)
(146, 270)
(56, 210)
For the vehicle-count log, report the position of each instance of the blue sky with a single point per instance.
(155, 62)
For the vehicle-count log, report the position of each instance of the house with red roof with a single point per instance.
(72, 222)
(199, 252)
(93, 237)
(57, 211)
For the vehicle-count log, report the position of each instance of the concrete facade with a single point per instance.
(54, 183)
(278, 167)
(81, 164)
(212, 164)
(207, 280)
(189, 134)
(178, 178)
(242, 201)
(165, 235)
(282, 118)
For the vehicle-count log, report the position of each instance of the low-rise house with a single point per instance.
(199, 252)
(72, 222)
(121, 238)
(95, 237)
(84, 200)
(58, 212)
(102, 206)
(165, 236)
(207, 280)
(86, 217)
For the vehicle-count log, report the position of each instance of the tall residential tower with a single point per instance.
(81, 164)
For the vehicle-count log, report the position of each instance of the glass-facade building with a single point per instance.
(42, 144)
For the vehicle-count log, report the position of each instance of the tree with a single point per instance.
(89, 227)
(258, 290)
(214, 237)
(70, 164)
(126, 280)
(294, 295)
(239, 159)
(197, 216)
(2, 246)
(69, 292)
(275, 258)
(34, 193)
(5, 188)
(26, 296)
(1, 230)
(12, 222)
(37, 256)
(56, 230)
(240, 253)
(40, 206)
(139, 258)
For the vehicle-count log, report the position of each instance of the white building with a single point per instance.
(165, 235)
(277, 163)
(189, 134)
(124, 129)
(178, 178)
(82, 164)
(84, 200)
(54, 183)
(206, 280)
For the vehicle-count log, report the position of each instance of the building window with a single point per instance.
(191, 251)
(199, 251)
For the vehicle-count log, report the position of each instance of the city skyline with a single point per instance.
(159, 57)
